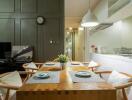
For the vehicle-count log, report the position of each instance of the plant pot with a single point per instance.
(62, 65)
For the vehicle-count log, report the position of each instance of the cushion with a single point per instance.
(117, 78)
(31, 65)
(13, 78)
(92, 64)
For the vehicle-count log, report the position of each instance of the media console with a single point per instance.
(11, 66)
(13, 57)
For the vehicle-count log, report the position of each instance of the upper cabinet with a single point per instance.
(111, 2)
(116, 5)
(110, 11)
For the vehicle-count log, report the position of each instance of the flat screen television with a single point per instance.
(5, 50)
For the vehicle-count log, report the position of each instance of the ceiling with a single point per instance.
(75, 10)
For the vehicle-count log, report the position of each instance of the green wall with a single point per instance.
(18, 25)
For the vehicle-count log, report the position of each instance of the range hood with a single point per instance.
(117, 10)
(101, 26)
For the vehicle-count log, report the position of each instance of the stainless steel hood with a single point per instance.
(101, 26)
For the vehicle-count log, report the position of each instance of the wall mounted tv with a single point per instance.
(5, 50)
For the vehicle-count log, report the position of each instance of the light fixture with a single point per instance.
(89, 20)
(68, 33)
(70, 28)
(80, 28)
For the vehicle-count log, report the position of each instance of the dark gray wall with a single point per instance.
(18, 25)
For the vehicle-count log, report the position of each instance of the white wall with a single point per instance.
(117, 36)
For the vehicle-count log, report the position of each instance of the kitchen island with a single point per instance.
(113, 62)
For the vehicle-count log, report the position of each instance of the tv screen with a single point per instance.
(5, 50)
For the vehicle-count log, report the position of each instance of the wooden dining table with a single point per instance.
(66, 89)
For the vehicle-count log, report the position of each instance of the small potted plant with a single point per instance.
(62, 59)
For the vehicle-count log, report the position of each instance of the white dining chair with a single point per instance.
(9, 83)
(92, 65)
(120, 80)
(31, 68)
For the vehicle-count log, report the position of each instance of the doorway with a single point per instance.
(75, 43)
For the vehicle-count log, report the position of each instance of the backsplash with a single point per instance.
(123, 50)
(118, 51)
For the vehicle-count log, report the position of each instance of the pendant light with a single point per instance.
(89, 20)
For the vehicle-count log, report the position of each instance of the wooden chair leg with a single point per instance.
(124, 94)
(100, 75)
(25, 79)
(1, 97)
(7, 94)
(92, 69)
(39, 66)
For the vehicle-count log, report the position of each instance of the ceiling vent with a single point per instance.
(99, 27)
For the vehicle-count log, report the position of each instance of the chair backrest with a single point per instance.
(9, 81)
(122, 86)
(30, 67)
(11, 78)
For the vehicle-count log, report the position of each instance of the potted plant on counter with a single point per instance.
(62, 59)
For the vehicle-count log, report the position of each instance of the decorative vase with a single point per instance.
(62, 65)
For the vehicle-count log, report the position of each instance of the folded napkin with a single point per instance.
(94, 78)
(31, 65)
(92, 64)
(54, 77)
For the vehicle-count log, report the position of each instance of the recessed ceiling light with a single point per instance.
(80, 28)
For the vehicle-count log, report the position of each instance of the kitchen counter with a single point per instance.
(113, 62)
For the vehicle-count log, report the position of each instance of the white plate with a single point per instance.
(83, 74)
(42, 75)
(75, 63)
(50, 63)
